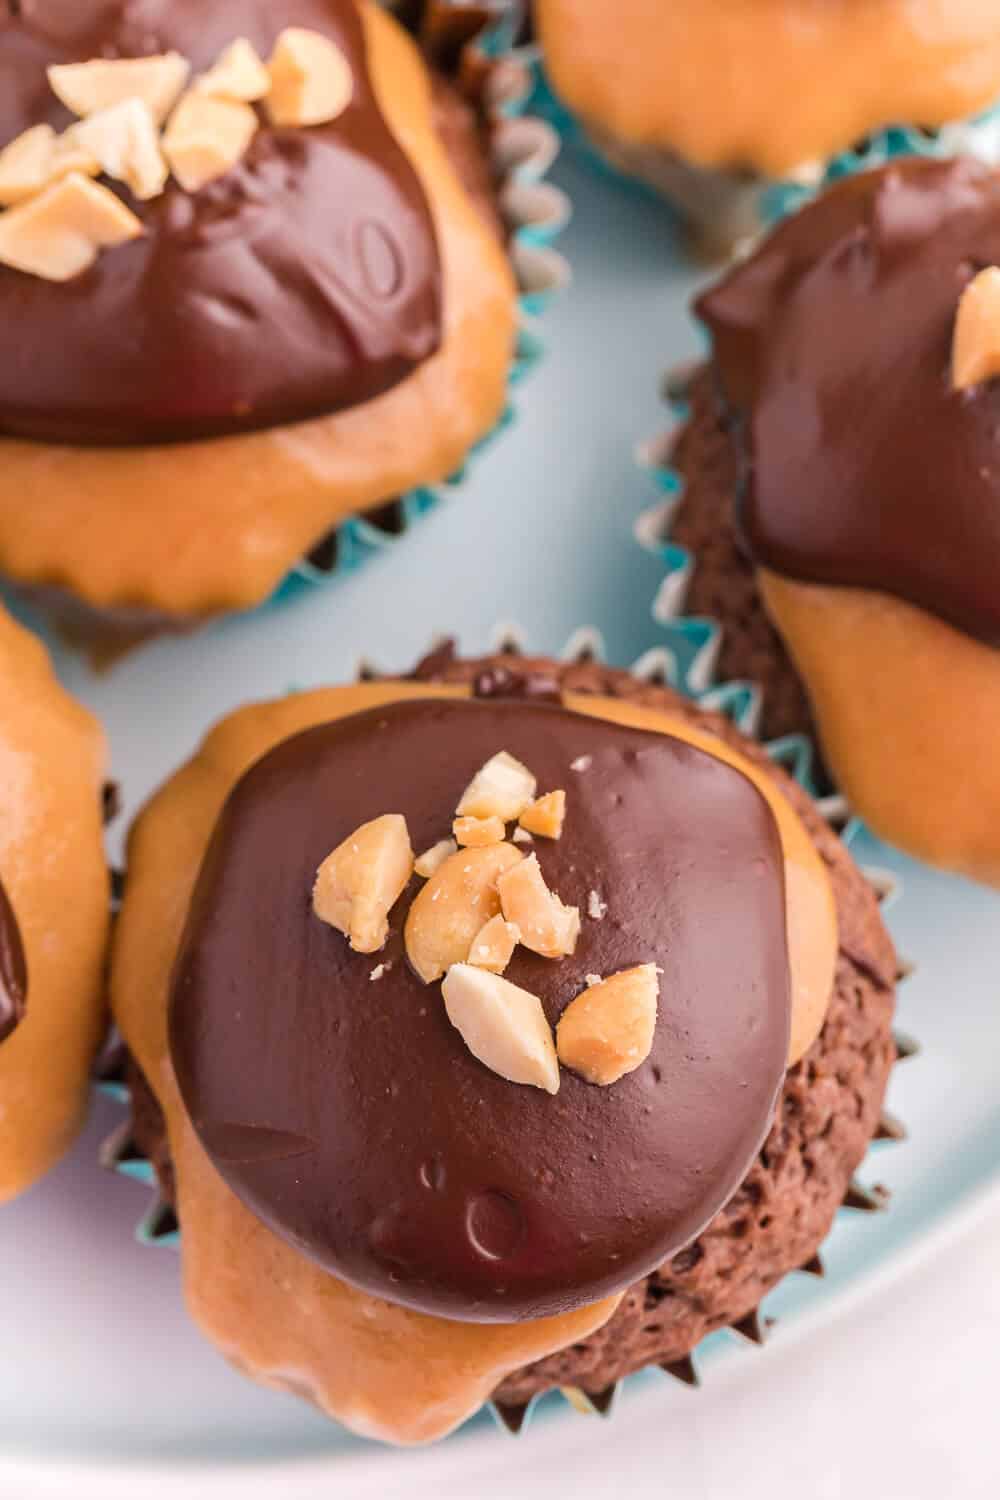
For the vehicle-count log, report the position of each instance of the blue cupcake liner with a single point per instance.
(524, 148)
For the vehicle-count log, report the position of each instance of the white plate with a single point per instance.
(102, 1379)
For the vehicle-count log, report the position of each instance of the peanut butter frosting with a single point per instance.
(56, 910)
(768, 85)
(272, 1308)
(233, 513)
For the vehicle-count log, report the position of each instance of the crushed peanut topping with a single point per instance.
(545, 816)
(547, 926)
(60, 233)
(121, 104)
(457, 901)
(238, 74)
(493, 945)
(311, 82)
(500, 789)
(975, 355)
(434, 857)
(360, 882)
(482, 898)
(503, 1025)
(607, 1031)
(475, 833)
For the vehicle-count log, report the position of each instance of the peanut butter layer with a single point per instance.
(768, 85)
(909, 713)
(275, 1313)
(52, 761)
(231, 515)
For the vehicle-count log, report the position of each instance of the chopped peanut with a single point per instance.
(607, 1031)
(975, 355)
(58, 234)
(125, 142)
(493, 945)
(503, 1025)
(36, 159)
(360, 882)
(475, 833)
(206, 137)
(500, 789)
(237, 74)
(545, 924)
(311, 79)
(89, 86)
(434, 857)
(546, 816)
(458, 899)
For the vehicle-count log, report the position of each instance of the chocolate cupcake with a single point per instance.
(506, 1027)
(53, 910)
(839, 517)
(734, 110)
(256, 277)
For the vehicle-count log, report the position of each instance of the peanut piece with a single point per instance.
(36, 159)
(58, 234)
(206, 137)
(458, 899)
(545, 924)
(493, 945)
(607, 1031)
(87, 87)
(237, 74)
(311, 79)
(361, 881)
(434, 857)
(125, 142)
(475, 833)
(503, 1025)
(975, 354)
(546, 816)
(500, 789)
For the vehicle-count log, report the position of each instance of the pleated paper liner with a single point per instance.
(684, 662)
(726, 210)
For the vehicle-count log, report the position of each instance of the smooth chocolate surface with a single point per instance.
(350, 1116)
(305, 281)
(13, 969)
(863, 467)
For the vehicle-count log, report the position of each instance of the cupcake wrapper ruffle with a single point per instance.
(684, 661)
(476, 44)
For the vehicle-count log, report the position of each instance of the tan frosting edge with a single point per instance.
(909, 714)
(703, 80)
(230, 516)
(52, 763)
(268, 1308)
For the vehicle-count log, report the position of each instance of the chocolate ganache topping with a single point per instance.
(348, 1113)
(13, 969)
(864, 467)
(304, 281)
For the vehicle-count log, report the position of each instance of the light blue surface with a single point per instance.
(102, 1366)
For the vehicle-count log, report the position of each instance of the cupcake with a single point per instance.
(54, 910)
(717, 105)
(255, 278)
(506, 1027)
(839, 496)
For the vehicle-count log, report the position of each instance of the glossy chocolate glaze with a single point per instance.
(304, 281)
(833, 346)
(349, 1115)
(13, 969)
